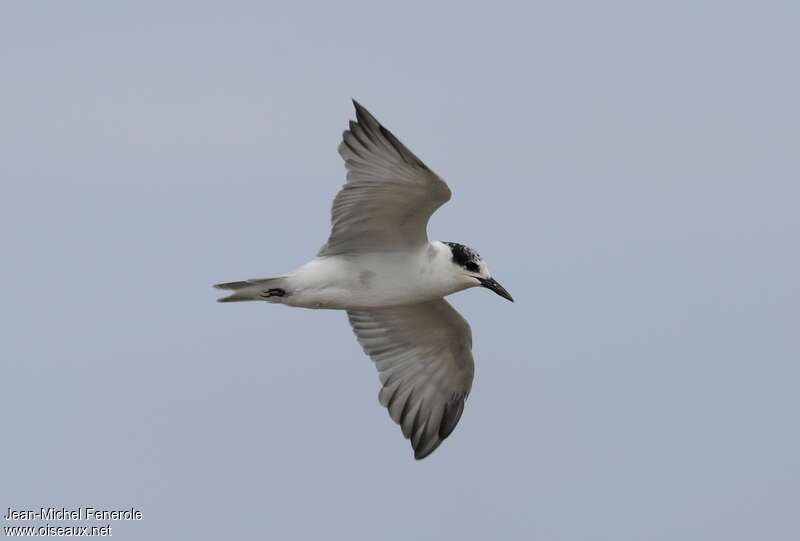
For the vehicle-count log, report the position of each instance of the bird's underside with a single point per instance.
(421, 348)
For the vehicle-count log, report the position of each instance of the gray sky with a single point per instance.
(628, 169)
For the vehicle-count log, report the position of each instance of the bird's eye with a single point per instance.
(472, 267)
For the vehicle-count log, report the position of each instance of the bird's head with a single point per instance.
(473, 270)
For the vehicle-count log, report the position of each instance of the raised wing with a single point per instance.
(389, 194)
(423, 353)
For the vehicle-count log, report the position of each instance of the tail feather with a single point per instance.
(238, 298)
(248, 290)
(233, 285)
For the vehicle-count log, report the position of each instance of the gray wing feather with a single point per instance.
(423, 353)
(389, 195)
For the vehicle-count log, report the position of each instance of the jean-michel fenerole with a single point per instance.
(78, 513)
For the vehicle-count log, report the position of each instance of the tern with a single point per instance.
(380, 267)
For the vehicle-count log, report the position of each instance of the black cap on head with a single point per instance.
(464, 256)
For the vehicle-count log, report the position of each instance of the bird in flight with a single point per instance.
(379, 266)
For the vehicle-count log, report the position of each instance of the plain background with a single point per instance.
(628, 169)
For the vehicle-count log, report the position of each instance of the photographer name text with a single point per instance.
(77, 513)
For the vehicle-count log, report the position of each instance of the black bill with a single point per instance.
(491, 283)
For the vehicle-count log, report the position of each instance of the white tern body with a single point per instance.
(373, 280)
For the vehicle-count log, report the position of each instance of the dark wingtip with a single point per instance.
(365, 118)
(426, 446)
(421, 453)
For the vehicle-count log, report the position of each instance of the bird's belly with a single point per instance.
(342, 297)
(356, 285)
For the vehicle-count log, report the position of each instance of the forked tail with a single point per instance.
(260, 289)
